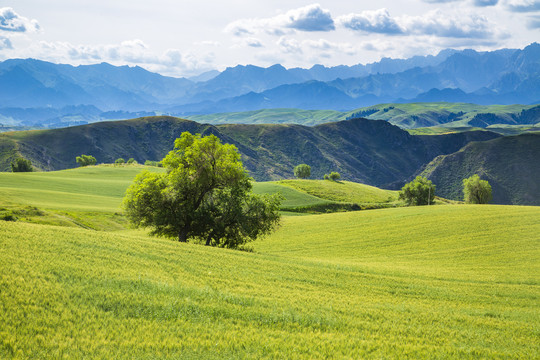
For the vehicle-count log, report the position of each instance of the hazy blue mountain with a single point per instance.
(499, 77)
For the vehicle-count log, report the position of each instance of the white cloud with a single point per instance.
(523, 5)
(434, 23)
(253, 42)
(378, 21)
(441, 24)
(289, 46)
(5, 43)
(308, 18)
(133, 52)
(13, 22)
(483, 3)
(534, 22)
(325, 45)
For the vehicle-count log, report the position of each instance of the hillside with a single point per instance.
(510, 164)
(371, 152)
(340, 285)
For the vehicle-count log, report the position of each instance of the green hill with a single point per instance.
(370, 152)
(450, 116)
(510, 164)
(392, 283)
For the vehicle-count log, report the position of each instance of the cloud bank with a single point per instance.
(12, 22)
(308, 18)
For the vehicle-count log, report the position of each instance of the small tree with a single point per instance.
(22, 165)
(302, 171)
(476, 191)
(132, 161)
(204, 195)
(334, 176)
(420, 191)
(119, 161)
(85, 160)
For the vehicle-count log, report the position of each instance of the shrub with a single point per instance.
(119, 161)
(334, 176)
(132, 161)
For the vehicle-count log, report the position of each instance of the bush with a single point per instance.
(153, 163)
(302, 171)
(8, 216)
(132, 161)
(119, 161)
(85, 160)
(22, 165)
(476, 191)
(333, 176)
(420, 191)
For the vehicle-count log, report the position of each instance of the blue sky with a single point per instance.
(187, 37)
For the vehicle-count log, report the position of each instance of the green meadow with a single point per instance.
(453, 281)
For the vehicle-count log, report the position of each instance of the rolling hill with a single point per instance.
(510, 164)
(323, 286)
(371, 152)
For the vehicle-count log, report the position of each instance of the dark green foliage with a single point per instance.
(119, 161)
(131, 161)
(205, 195)
(85, 160)
(8, 216)
(420, 191)
(333, 176)
(510, 164)
(476, 191)
(302, 171)
(21, 165)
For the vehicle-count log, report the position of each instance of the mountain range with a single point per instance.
(38, 93)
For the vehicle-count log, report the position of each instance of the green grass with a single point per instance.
(424, 282)
(457, 281)
(93, 188)
(343, 191)
(293, 198)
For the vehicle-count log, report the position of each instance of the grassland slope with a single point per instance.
(366, 151)
(394, 283)
(510, 164)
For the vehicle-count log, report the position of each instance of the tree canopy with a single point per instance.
(85, 160)
(302, 171)
(205, 195)
(22, 165)
(420, 191)
(476, 191)
(334, 176)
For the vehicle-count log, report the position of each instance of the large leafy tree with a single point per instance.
(204, 195)
(476, 191)
(420, 191)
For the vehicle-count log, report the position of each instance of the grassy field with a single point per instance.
(390, 283)
(459, 281)
(343, 191)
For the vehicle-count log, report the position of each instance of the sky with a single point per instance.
(188, 37)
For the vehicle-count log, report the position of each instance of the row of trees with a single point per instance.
(303, 171)
(421, 191)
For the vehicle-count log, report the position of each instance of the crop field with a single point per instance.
(455, 281)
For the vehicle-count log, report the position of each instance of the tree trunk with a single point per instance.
(182, 235)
